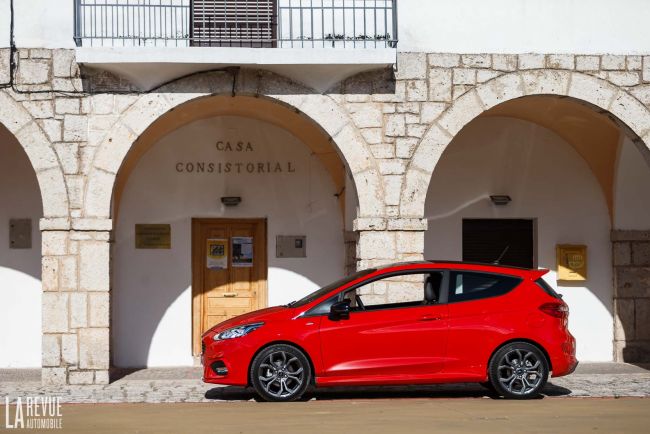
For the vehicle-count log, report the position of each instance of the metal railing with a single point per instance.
(236, 23)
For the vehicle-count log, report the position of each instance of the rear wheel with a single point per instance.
(280, 373)
(518, 370)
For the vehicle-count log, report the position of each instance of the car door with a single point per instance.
(388, 340)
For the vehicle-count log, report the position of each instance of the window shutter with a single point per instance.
(234, 23)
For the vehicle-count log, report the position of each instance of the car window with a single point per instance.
(466, 285)
(396, 291)
(328, 288)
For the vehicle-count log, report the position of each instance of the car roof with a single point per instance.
(506, 269)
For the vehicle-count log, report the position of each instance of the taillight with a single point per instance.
(557, 310)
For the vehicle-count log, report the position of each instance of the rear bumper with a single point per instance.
(565, 362)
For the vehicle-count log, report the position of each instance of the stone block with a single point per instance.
(502, 89)
(324, 111)
(51, 350)
(642, 318)
(54, 243)
(65, 106)
(634, 63)
(68, 273)
(68, 156)
(531, 61)
(590, 89)
(631, 111)
(33, 71)
(78, 310)
(483, 75)
(102, 104)
(63, 63)
(51, 128)
(410, 242)
(560, 61)
(69, 349)
(624, 78)
(392, 189)
(416, 130)
(633, 282)
(641, 253)
(383, 150)
(369, 224)
(5, 56)
(554, 82)
(430, 111)
(75, 184)
(94, 266)
(98, 199)
(411, 66)
(440, 85)
(630, 235)
(408, 108)
(55, 312)
(101, 376)
(372, 136)
(622, 254)
(75, 128)
(393, 166)
(50, 273)
(40, 109)
(504, 62)
(81, 377)
(416, 90)
(395, 125)
(464, 76)
(366, 115)
(466, 108)
(403, 291)
(610, 62)
(53, 376)
(94, 348)
(459, 90)
(624, 319)
(405, 146)
(646, 68)
(376, 245)
(476, 60)
(444, 60)
(99, 309)
(587, 63)
(406, 224)
(642, 93)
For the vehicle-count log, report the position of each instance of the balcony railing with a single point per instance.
(236, 23)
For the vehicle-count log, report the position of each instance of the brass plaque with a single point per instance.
(571, 262)
(157, 236)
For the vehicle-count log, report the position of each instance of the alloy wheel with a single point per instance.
(281, 374)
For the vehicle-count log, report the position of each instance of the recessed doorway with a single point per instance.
(506, 241)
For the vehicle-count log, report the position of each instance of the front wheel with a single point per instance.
(280, 373)
(519, 370)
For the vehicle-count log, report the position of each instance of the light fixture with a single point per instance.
(500, 199)
(231, 200)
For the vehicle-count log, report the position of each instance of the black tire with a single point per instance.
(518, 370)
(280, 373)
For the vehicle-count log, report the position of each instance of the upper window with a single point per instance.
(466, 285)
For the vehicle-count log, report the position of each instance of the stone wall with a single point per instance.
(390, 127)
(631, 255)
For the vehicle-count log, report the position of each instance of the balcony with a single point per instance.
(314, 41)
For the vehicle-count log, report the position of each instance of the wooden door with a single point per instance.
(240, 286)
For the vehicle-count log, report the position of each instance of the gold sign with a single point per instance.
(571, 262)
(153, 236)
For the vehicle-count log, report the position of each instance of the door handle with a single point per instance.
(230, 294)
(430, 318)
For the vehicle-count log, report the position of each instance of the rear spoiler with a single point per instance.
(536, 274)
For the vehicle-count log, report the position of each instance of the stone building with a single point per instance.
(136, 138)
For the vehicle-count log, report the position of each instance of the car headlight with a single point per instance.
(237, 332)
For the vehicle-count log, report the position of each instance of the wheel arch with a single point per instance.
(281, 342)
(526, 340)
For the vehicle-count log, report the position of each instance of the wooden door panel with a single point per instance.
(222, 294)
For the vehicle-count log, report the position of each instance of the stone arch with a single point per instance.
(595, 91)
(321, 110)
(44, 160)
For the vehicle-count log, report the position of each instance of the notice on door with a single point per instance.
(242, 251)
(217, 253)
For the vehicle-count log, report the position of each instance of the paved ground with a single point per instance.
(184, 385)
(412, 416)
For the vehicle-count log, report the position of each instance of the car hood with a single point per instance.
(267, 314)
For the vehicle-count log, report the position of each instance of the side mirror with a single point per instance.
(340, 310)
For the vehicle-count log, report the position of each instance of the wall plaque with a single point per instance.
(148, 236)
(20, 233)
(291, 246)
(571, 262)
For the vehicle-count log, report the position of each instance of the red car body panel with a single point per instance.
(447, 342)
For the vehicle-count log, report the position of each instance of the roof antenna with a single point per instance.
(498, 260)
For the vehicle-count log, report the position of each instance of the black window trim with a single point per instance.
(444, 290)
(461, 270)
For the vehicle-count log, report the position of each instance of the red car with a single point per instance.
(411, 323)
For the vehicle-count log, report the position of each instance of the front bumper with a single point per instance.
(226, 362)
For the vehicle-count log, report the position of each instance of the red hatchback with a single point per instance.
(411, 323)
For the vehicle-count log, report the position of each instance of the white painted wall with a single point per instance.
(467, 26)
(631, 189)
(547, 180)
(20, 269)
(152, 288)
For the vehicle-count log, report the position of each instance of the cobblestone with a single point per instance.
(185, 385)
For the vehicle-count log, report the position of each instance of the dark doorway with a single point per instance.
(508, 241)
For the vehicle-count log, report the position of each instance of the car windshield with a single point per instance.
(325, 289)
